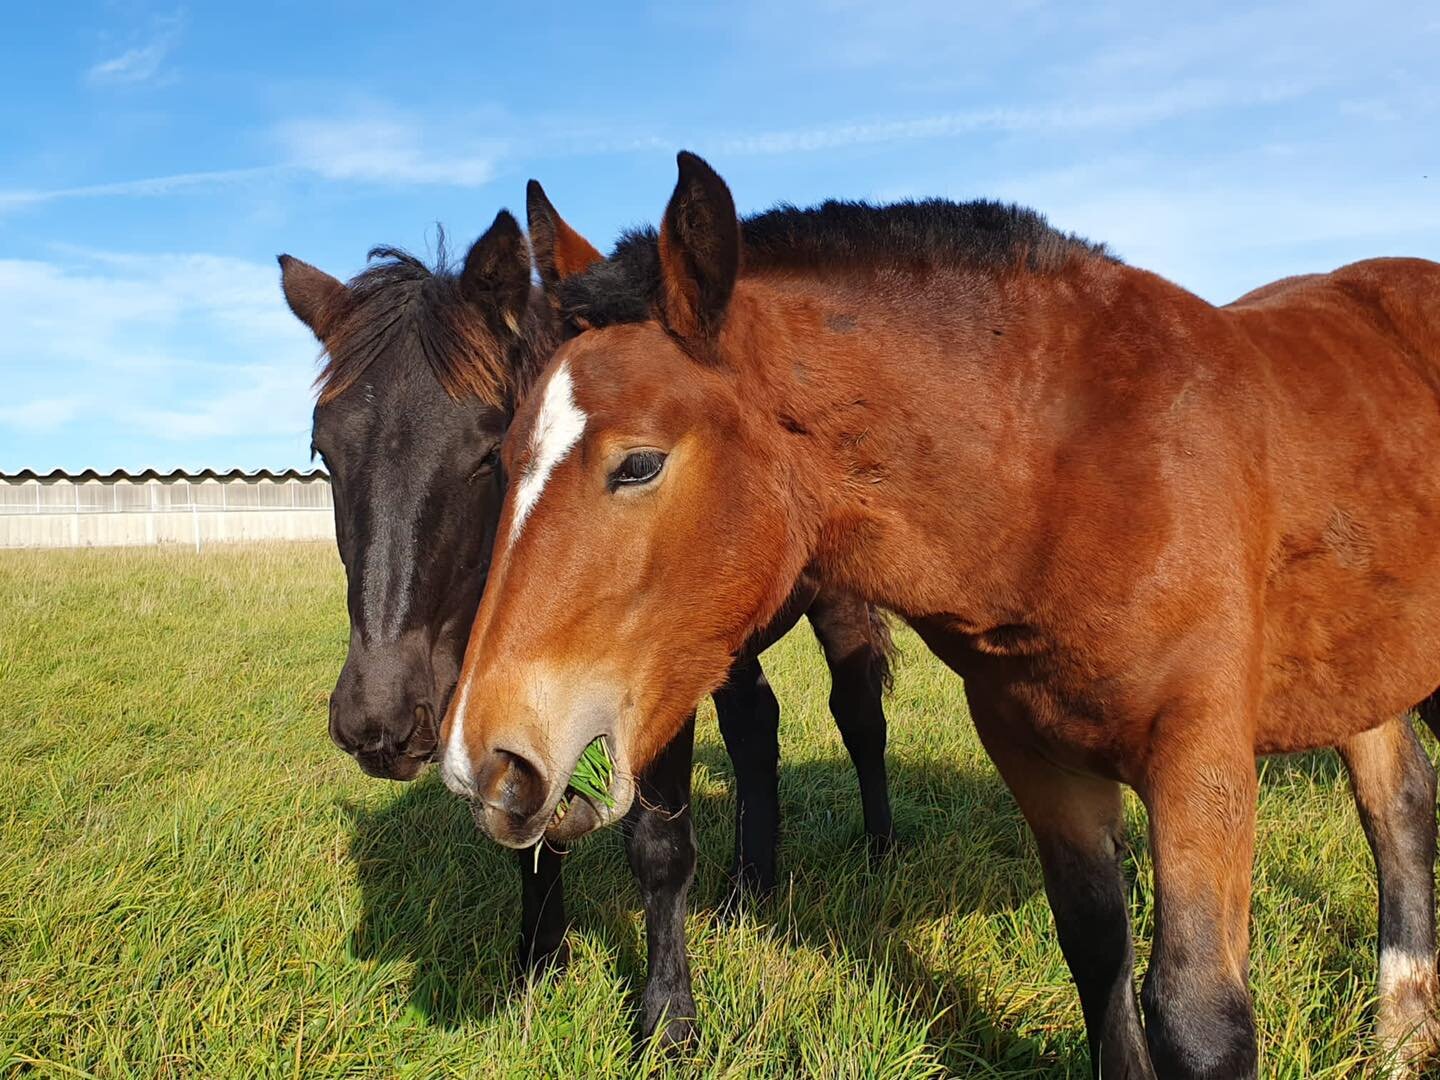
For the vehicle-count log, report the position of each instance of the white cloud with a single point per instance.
(1039, 119)
(264, 399)
(151, 186)
(41, 414)
(385, 147)
(380, 147)
(154, 353)
(141, 63)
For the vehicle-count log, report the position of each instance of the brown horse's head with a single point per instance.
(644, 535)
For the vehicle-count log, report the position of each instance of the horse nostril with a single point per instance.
(366, 739)
(512, 784)
(420, 738)
(337, 734)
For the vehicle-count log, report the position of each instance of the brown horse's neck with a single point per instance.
(903, 408)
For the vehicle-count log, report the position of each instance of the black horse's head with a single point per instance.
(421, 375)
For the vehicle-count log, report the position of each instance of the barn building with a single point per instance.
(91, 509)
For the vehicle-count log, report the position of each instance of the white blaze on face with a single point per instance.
(558, 428)
(455, 766)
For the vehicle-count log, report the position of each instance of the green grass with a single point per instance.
(195, 882)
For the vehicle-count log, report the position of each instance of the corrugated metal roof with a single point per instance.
(171, 476)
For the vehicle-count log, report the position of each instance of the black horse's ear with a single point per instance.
(560, 251)
(496, 277)
(699, 251)
(317, 299)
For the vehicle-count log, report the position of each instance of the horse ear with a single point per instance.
(496, 277)
(560, 251)
(317, 299)
(699, 251)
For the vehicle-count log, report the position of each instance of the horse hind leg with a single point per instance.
(1394, 787)
(857, 647)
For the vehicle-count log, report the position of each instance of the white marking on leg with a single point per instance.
(455, 767)
(1402, 970)
(557, 429)
(1406, 1025)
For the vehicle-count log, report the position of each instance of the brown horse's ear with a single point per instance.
(317, 299)
(699, 251)
(496, 277)
(560, 251)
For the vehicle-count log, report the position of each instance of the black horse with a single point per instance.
(423, 370)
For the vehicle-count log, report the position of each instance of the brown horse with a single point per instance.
(1155, 537)
(423, 369)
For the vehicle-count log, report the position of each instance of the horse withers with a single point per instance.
(1157, 539)
(423, 368)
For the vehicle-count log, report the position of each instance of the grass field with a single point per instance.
(195, 882)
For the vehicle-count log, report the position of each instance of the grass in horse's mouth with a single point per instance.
(593, 775)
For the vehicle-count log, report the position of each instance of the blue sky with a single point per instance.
(156, 159)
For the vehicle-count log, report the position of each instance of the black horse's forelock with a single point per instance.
(984, 234)
(402, 305)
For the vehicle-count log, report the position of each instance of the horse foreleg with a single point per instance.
(1394, 788)
(1079, 827)
(660, 844)
(1200, 791)
(542, 912)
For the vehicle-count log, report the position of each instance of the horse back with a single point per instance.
(1395, 301)
(1348, 367)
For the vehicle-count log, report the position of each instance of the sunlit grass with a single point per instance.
(194, 882)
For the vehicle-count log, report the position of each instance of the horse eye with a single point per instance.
(487, 463)
(639, 467)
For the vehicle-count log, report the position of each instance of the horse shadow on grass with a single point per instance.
(439, 896)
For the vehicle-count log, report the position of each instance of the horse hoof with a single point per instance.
(739, 899)
(535, 963)
(679, 1033)
(880, 845)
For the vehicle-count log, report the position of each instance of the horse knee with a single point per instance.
(662, 851)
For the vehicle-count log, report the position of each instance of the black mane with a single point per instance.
(401, 304)
(983, 234)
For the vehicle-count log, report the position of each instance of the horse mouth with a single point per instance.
(579, 812)
(405, 766)
(569, 812)
(405, 762)
(574, 816)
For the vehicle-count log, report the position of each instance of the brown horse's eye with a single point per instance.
(639, 467)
